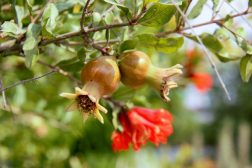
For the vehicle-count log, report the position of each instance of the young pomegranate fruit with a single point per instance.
(100, 78)
(136, 69)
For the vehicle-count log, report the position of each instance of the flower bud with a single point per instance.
(100, 78)
(136, 69)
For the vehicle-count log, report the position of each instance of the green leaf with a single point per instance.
(196, 10)
(124, 93)
(169, 45)
(211, 42)
(179, 2)
(81, 53)
(147, 40)
(49, 17)
(149, 1)
(127, 45)
(157, 15)
(165, 45)
(30, 3)
(123, 8)
(215, 4)
(71, 65)
(30, 46)
(20, 95)
(96, 17)
(11, 29)
(20, 14)
(246, 46)
(246, 68)
(231, 50)
(115, 119)
(109, 18)
(107, 35)
(61, 6)
(29, 43)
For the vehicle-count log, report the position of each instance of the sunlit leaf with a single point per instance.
(196, 10)
(11, 29)
(149, 1)
(81, 53)
(246, 68)
(73, 64)
(157, 15)
(96, 17)
(20, 10)
(169, 45)
(49, 17)
(123, 8)
(246, 47)
(128, 45)
(30, 46)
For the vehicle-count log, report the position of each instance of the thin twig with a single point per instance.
(110, 9)
(236, 35)
(84, 12)
(221, 24)
(27, 81)
(181, 20)
(202, 24)
(78, 43)
(88, 41)
(209, 57)
(236, 10)
(61, 71)
(3, 94)
(217, 10)
(119, 104)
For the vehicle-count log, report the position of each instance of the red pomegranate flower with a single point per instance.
(202, 81)
(142, 124)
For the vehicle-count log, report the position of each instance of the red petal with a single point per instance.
(202, 81)
(156, 122)
(120, 141)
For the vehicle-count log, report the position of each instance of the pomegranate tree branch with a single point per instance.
(9, 49)
(215, 21)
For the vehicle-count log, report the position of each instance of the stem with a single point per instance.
(26, 81)
(119, 104)
(84, 12)
(242, 17)
(61, 71)
(181, 20)
(3, 95)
